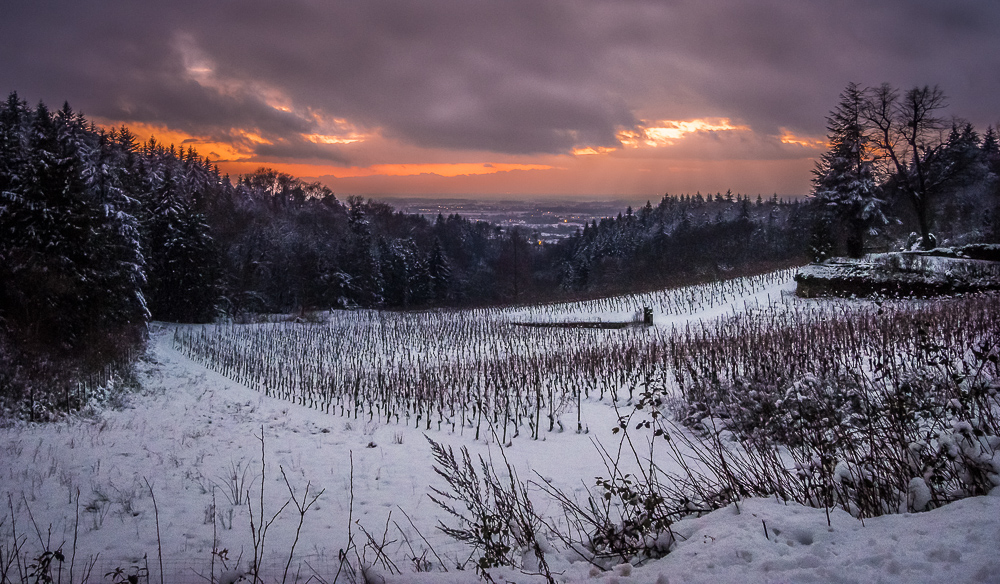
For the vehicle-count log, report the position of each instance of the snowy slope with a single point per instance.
(191, 430)
(957, 543)
(188, 433)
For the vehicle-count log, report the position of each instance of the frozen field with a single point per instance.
(167, 475)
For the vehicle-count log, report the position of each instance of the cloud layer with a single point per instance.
(308, 80)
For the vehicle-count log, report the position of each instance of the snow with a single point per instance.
(189, 430)
(766, 541)
(192, 427)
(762, 540)
(670, 307)
(901, 273)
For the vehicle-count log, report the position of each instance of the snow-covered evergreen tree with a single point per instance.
(45, 221)
(182, 259)
(991, 150)
(71, 296)
(360, 257)
(844, 178)
(439, 272)
(119, 267)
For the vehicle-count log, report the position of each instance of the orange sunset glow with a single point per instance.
(640, 158)
(660, 152)
(667, 132)
(492, 99)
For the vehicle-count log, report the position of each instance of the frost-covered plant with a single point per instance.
(498, 520)
(234, 484)
(629, 517)
(886, 439)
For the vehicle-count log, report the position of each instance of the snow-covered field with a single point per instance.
(160, 476)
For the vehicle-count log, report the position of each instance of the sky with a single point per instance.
(519, 98)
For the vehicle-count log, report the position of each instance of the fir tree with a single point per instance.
(991, 150)
(360, 259)
(439, 271)
(844, 178)
(71, 294)
(182, 265)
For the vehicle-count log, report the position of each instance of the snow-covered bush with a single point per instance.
(883, 416)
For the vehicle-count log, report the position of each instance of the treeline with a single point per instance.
(99, 234)
(683, 240)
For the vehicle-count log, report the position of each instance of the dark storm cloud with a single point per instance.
(524, 76)
(122, 64)
(779, 63)
(292, 150)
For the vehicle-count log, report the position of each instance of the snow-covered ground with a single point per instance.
(192, 428)
(670, 306)
(191, 437)
(956, 543)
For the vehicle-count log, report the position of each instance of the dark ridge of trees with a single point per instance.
(99, 234)
(72, 268)
(683, 240)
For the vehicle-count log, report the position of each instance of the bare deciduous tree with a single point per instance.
(909, 134)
